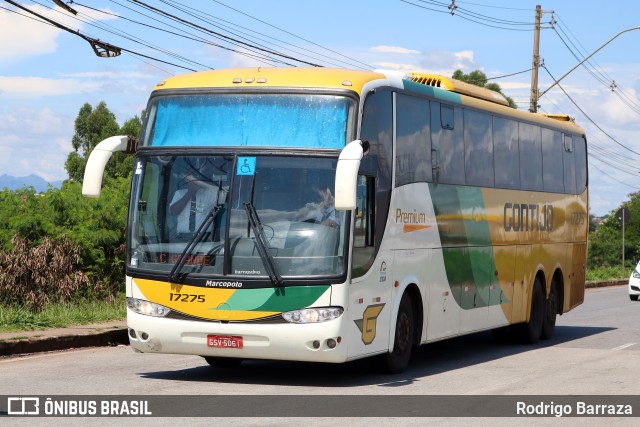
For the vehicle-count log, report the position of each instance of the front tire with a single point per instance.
(396, 361)
(633, 297)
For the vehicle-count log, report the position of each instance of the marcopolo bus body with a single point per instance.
(329, 215)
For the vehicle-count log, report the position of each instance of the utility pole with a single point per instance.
(533, 106)
(535, 65)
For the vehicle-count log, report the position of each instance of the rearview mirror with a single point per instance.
(347, 175)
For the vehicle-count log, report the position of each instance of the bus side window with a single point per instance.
(363, 233)
(552, 167)
(579, 145)
(478, 147)
(413, 140)
(448, 143)
(569, 166)
(530, 141)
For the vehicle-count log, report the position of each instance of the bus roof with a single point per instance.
(355, 80)
(327, 78)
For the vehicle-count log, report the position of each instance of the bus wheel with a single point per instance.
(531, 331)
(550, 312)
(397, 361)
(223, 362)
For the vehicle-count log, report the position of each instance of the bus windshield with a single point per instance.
(234, 215)
(273, 120)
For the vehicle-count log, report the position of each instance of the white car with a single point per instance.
(634, 283)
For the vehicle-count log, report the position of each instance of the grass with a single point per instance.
(15, 319)
(607, 273)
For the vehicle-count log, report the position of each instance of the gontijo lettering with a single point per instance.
(527, 217)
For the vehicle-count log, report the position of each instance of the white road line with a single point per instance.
(623, 346)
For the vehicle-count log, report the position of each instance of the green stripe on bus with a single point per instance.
(466, 241)
(275, 299)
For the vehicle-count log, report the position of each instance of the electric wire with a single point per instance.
(248, 51)
(366, 66)
(87, 38)
(473, 16)
(229, 39)
(492, 6)
(613, 178)
(182, 33)
(228, 25)
(596, 70)
(587, 116)
(86, 19)
(239, 34)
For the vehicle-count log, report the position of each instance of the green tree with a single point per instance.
(478, 78)
(605, 243)
(92, 126)
(87, 236)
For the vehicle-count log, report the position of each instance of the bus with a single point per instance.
(451, 213)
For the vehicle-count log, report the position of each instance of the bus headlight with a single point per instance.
(147, 308)
(313, 315)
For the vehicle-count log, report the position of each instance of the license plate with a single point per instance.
(224, 341)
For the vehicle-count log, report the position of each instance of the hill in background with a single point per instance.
(16, 183)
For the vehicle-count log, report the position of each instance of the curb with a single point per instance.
(64, 342)
(620, 282)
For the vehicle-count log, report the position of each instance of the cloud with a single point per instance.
(29, 87)
(396, 66)
(432, 61)
(449, 61)
(394, 49)
(34, 140)
(28, 37)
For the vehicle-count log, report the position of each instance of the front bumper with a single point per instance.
(282, 341)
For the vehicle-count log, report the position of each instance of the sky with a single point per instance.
(47, 73)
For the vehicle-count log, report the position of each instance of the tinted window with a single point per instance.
(530, 157)
(377, 128)
(580, 146)
(413, 140)
(569, 165)
(506, 156)
(478, 143)
(448, 144)
(552, 168)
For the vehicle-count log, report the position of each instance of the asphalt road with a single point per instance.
(595, 351)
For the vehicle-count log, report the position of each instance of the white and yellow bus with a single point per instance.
(453, 213)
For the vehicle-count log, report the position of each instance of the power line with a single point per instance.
(206, 17)
(587, 116)
(109, 29)
(492, 6)
(230, 39)
(367, 66)
(248, 52)
(615, 179)
(185, 35)
(99, 47)
(478, 18)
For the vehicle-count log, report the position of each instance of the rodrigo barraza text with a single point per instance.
(577, 408)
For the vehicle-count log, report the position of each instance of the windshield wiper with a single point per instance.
(261, 244)
(195, 239)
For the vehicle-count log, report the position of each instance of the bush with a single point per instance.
(34, 276)
(91, 231)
